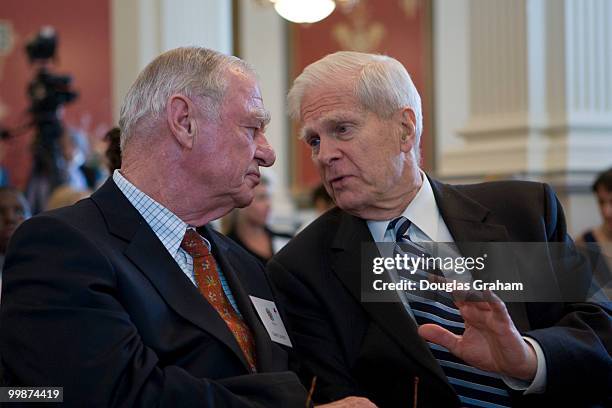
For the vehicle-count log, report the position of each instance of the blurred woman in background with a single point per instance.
(598, 241)
(602, 187)
(249, 226)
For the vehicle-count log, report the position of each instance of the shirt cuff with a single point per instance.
(538, 384)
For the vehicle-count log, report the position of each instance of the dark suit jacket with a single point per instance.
(374, 350)
(93, 302)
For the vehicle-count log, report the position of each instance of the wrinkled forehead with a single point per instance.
(323, 102)
(241, 84)
(243, 93)
(327, 107)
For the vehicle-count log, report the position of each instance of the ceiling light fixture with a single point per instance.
(300, 11)
(308, 11)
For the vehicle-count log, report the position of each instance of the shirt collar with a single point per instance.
(422, 212)
(166, 225)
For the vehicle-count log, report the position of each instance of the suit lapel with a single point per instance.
(465, 218)
(149, 255)
(390, 316)
(468, 223)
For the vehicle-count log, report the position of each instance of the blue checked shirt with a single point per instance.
(170, 230)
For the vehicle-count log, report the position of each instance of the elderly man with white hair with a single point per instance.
(361, 116)
(128, 298)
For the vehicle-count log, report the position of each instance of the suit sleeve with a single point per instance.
(320, 352)
(62, 324)
(578, 345)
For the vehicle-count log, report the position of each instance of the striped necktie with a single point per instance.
(209, 284)
(475, 387)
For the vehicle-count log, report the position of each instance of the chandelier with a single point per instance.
(308, 11)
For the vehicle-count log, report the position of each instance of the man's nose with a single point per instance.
(264, 154)
(328, 152)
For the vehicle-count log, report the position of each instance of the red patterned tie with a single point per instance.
(207, 277)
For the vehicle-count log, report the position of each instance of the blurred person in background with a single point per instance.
(321, 202)
(74, 148)
(4, 174)
(113, 149)
(66, 195)
(248, 226)
(598, 241)
(4, 135)
(78, 167)
(83, 168)
(602, 187)
(14, 210)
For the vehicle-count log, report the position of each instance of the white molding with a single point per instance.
(543, 150)
(494, 125)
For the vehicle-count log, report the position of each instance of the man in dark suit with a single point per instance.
(361, 116)
(128, 298)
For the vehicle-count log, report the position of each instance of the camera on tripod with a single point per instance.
(47, 91)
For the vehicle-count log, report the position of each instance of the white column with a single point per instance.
(205, 23)
(263, 44)
(587, 147)
(135, 40)
(539, 100)
(451, 75)
(496, 97)
(142, 29)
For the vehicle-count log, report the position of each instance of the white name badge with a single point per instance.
(271, 320)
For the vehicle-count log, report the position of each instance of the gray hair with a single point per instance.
(189, 71)
(381, 84)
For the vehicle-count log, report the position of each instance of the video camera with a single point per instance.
(47, 91)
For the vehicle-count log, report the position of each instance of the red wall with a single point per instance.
(84, 52)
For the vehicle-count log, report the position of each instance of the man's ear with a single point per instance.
(180, 114)
(408, 129)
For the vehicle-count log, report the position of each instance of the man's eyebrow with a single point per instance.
(329, 122)
(304, 133)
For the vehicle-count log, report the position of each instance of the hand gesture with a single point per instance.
(350, 402)
(490, 341)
